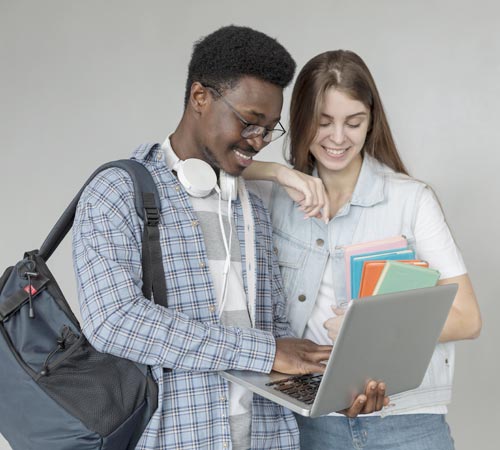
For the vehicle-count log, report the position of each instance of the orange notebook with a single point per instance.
(371, 273)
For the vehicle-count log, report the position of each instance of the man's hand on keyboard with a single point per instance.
(300, 356)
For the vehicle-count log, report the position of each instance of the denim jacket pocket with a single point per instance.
(291, 258)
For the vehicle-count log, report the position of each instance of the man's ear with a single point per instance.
(199, 97)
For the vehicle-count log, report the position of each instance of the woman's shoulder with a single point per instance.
(391, 177)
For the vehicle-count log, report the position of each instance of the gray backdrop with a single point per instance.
(84, 82)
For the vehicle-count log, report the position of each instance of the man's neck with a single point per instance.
(184, 142)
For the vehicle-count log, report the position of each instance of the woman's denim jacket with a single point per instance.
(384, 204)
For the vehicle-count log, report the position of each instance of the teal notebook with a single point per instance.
(398, 277)
(358, 260)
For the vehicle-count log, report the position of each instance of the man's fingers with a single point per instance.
(314, 368)
(323, 348)
(382, 400)
(371, 396)
(356, 407)
(319, 356)
(317, 353)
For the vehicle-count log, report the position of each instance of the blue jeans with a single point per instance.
(401, 432)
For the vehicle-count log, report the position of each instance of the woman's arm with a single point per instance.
(436, 245)
(305, 190)
(464, 320)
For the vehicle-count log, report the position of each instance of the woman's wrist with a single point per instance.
(267, 171)
(281, 173)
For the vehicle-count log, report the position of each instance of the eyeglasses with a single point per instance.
(252, 130)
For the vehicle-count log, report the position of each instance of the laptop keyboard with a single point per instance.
(303, 387)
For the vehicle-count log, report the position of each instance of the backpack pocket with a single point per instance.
(89, 384)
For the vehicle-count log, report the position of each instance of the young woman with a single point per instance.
(347, 171)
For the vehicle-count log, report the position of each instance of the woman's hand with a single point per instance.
(334, 323)
(307, 191)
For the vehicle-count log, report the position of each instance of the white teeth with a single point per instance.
(241, 155)
(335, 152)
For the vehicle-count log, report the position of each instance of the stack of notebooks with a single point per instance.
(384, 266)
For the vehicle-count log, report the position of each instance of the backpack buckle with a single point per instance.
(151, 216)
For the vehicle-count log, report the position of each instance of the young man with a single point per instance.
(225, 302)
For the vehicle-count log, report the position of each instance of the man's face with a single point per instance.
(257, 102)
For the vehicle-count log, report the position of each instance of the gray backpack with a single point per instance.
(56, 391)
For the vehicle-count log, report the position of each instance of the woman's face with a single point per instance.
(342, 130)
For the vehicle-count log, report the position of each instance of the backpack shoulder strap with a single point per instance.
(147, 205)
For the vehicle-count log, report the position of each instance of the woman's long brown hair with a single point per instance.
(346, 71)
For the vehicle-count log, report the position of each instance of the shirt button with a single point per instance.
(222, 399)
(202, 265)
(320, 242)
(177, 188)
(302, 298)
(159, 157)
(194, 223)
(211, 308)
(275, 250)
(225, 445)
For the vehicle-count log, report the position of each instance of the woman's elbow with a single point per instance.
(475, 327)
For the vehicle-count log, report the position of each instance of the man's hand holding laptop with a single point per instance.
(301, 356)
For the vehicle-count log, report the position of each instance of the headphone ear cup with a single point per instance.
(228, 186)
(197, 177)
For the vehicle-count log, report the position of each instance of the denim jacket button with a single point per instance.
(320, 242)
(302, 298)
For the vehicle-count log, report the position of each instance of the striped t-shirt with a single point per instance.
(235, 312)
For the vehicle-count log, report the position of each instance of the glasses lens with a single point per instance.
(252, 131)
(273, 135)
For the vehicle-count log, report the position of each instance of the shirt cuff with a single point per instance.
(256, 351)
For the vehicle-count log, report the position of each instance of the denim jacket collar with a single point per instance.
(369, 188)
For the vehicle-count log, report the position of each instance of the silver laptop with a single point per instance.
(385, 337)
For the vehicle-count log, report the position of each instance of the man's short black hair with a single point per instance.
(229, 53)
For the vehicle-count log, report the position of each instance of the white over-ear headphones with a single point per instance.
(198, 177)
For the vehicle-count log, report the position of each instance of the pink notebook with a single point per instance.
(367, 247)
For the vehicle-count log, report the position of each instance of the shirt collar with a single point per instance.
(157, 152)
(148, 152)
(171, 158)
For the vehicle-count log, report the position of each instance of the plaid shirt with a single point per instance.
(187, 336)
